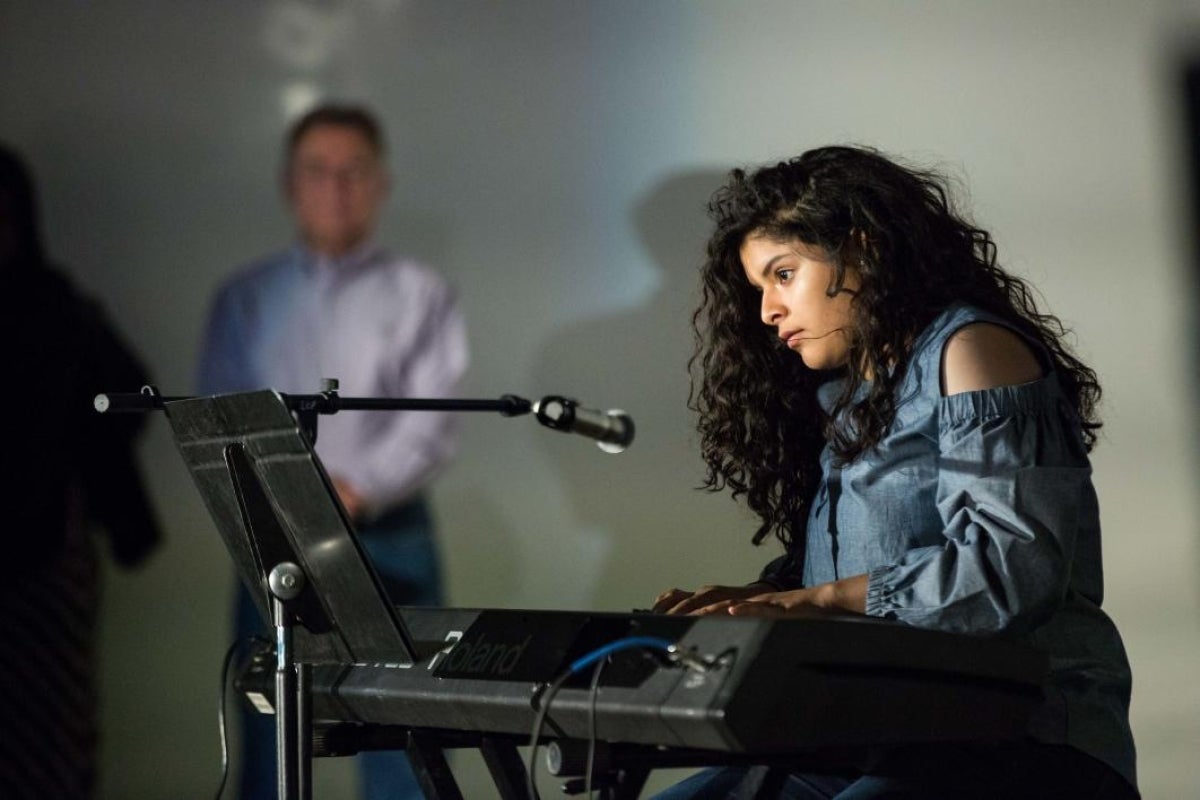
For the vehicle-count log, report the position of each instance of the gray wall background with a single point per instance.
(552, 158)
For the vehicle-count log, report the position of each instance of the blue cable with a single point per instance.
(655, 642)
(551, 689)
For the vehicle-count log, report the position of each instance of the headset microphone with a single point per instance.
(813, 338)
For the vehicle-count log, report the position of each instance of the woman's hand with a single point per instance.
(848, 594)
(708, 599)
(761, 600)
(795, 603)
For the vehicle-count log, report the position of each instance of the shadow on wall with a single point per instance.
(643, 501)
(480, 550)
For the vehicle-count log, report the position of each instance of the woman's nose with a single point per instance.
(772, 311)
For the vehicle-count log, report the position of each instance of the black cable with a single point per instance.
(221, 721)
(545, 700)
(599, 654)
(594, 690)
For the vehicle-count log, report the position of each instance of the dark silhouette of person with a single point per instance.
(67, 470)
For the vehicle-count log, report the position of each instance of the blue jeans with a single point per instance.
(401, 547)
(1009, 771)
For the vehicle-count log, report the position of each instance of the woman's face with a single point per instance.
(794, 280)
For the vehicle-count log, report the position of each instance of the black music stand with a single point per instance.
(295, 551)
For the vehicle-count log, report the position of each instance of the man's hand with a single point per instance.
(352, 501)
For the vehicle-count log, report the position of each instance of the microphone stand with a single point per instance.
(306, 407)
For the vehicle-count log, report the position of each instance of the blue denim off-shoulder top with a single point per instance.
(976, 514)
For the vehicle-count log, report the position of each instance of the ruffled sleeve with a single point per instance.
(1013, 475)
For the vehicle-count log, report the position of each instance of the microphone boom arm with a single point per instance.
(612, 430)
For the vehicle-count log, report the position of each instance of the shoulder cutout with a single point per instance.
(983, 355)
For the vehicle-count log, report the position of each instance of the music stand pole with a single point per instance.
(293, 738)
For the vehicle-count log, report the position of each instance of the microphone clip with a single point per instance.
(556, 412)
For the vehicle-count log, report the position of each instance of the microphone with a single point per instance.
(612, 429)
(816, 337)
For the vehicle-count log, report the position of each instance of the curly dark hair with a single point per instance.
(761, 428)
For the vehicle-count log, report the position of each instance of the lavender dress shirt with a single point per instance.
(383, 326)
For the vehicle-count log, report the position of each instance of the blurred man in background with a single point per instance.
(336, 305)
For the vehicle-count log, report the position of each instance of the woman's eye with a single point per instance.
(784, 275)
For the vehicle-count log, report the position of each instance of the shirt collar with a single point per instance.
(829, 390)
(342, 266)
(831, 387)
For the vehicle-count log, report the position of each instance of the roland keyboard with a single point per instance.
(766, 686)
